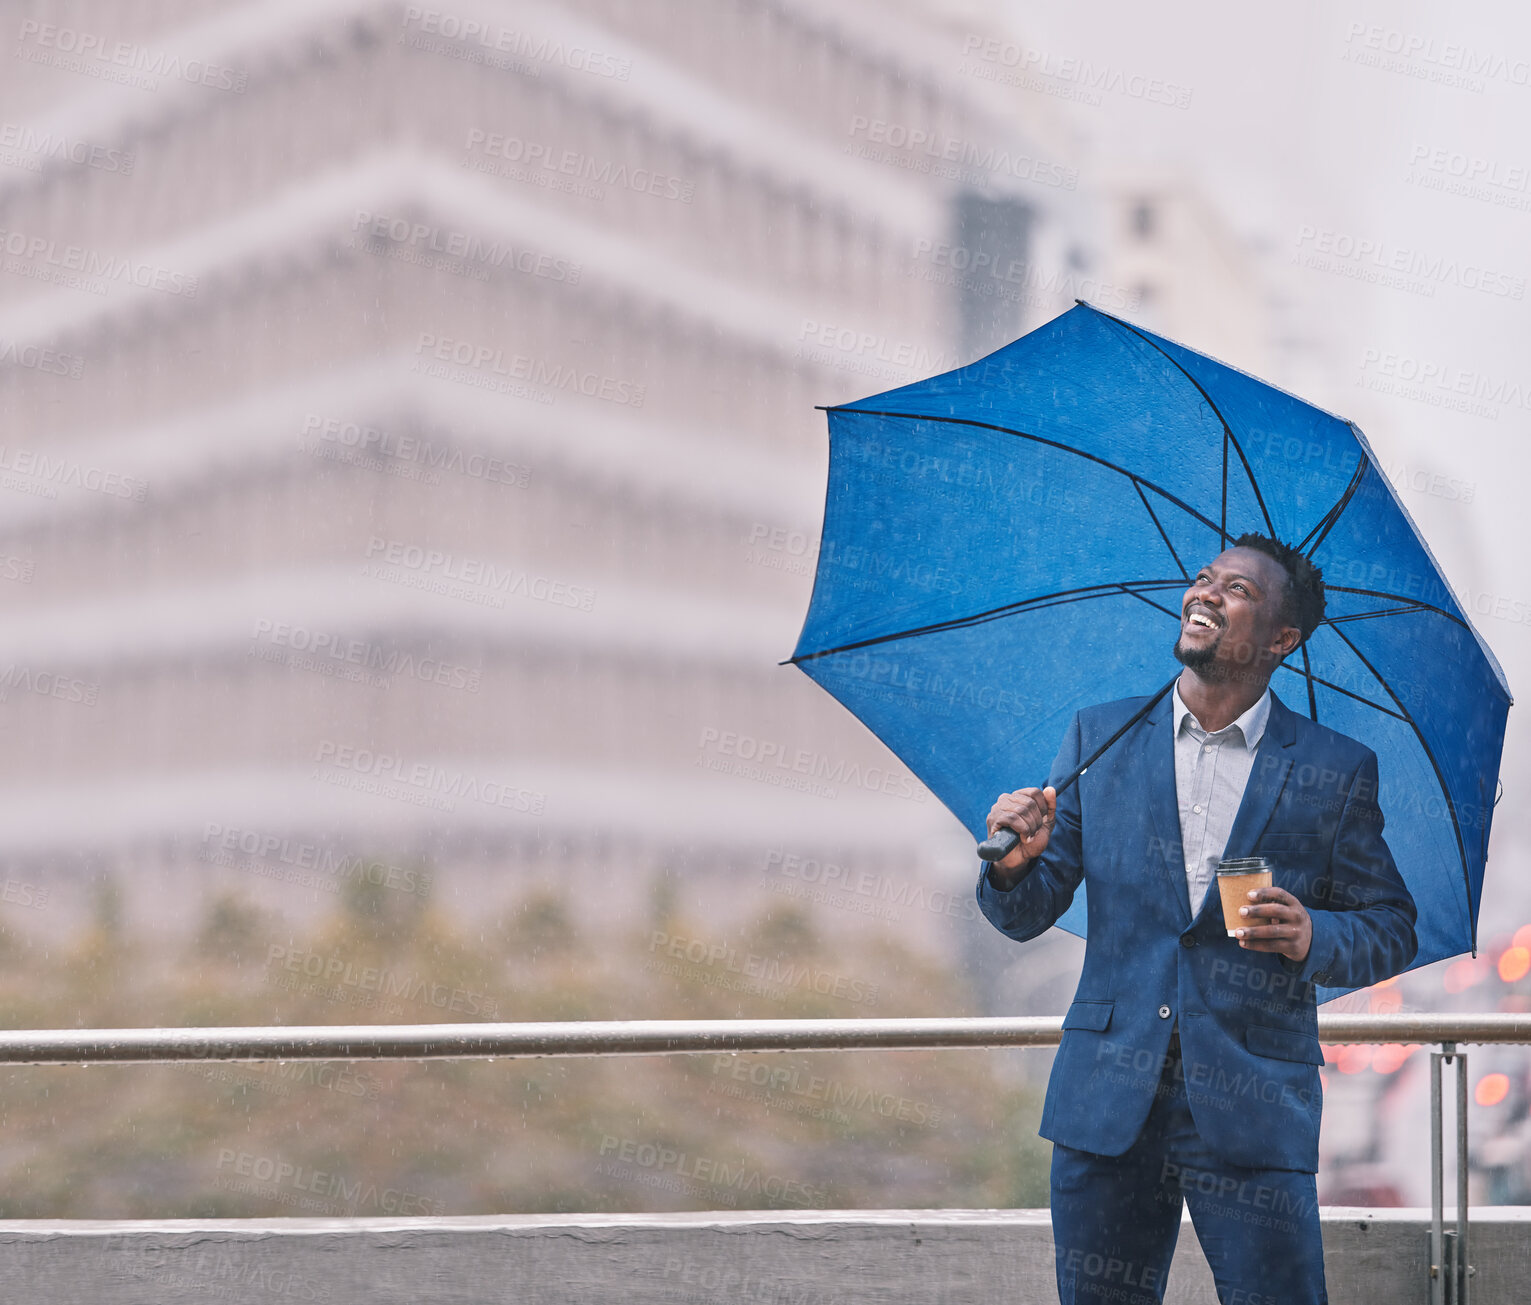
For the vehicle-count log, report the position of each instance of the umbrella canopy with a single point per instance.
(1008, 542)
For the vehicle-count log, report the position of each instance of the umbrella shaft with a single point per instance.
(1002, 842)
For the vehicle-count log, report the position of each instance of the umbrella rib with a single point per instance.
(1409, 605)
(1154, 517)
(1307, 672)
(1440, 779)
(1223, 520)
(1039, 603)
(1319, 679)
(1372, 616)
(1039, 439)
(1228, 435)
(1332, 516)
(1133, 594)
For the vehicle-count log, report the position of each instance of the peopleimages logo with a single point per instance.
(47, 684)
(1082, 76)
(26, 147)
(210, 1271)
(1462, 166)
(384, 661)
(934, 149)
(39, 359)
(44, 476)
(719, 965)
(835, 1095)
(424, 238)
(377, 449)
(734, 1179)
(472, 579)
(42, 257)
(119, 61)
(538, 375)
(778, 549)
(435, 786)
(778, 763)
(282, 1178)
(984, 272)
(1448, 63)
(336, 975)
(1441, 384)
(832, 345)
(277, 1078)
(221, 844)
(860, 890)
(1445, 376)
(498, 39)
(539, 163)
(738, 1286)
(1370, 259)
(17, 892)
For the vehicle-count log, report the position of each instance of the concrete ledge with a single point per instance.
(833, 1257)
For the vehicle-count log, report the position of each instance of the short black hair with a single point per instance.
(1303, 602)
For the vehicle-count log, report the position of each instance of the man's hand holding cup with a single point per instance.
(1030, 813)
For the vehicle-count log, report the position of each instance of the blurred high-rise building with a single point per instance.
(411, 470)
(1189, 273)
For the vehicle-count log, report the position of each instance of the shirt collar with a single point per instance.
(1251, 724)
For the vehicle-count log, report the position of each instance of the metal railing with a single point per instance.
(1451, 1270)
(649, 1038)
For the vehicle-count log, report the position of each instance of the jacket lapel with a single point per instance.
(1157, 767)
(1273, 760)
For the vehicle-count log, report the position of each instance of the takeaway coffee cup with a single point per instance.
(1235, 878)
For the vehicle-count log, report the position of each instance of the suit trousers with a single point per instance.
(1116, 1218)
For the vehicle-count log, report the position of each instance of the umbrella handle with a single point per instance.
(1002, 842)
(998, 845)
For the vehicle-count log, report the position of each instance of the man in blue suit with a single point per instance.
(1188, 1070)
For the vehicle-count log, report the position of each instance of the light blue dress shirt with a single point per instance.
(1211, 773)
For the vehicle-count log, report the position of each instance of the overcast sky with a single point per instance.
(1289, 129)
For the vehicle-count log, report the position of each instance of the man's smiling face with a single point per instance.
(1231, 618)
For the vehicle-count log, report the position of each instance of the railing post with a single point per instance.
(1464, 1268)
(1437, 1183)
(1451, 1270)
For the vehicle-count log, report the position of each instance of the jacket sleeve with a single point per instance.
(1365, 933)
(1034, 904)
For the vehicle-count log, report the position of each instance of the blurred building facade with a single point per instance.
(1188, 272)
(412, 471)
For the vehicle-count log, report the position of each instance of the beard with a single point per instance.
(1204, 662)
(1201, 660)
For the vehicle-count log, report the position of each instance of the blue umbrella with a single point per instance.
(1006, 543)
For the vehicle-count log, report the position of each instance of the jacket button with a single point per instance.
(1187, 940)
(1164, 1012)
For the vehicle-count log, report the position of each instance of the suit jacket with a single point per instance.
(1248, 1021)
